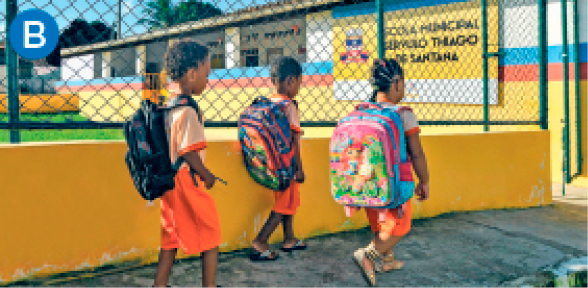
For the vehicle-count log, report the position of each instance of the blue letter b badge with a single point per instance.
(33, 34)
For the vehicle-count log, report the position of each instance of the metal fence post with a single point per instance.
(543, 81)
(381, 36)
(566, 91)
(119, 20)
(484, 7)
(579, 160)
(12, 75)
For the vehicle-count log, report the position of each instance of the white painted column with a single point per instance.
(232, 48)
(141, 59)
(106, 60)
(319, 37)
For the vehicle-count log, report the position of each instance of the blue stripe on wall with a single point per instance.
(315, 68)
(249, 72)
(389, 6)
(530, 55)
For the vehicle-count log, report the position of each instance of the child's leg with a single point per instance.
(386, 242)
(387, 235)
(288, 226)
(209, 265)
(166, 261)
(260, 242)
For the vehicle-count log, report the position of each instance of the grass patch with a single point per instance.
(59, 135)
(575, 279)
(64, 135)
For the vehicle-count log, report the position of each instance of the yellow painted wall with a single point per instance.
(110, 105)
(556, 117)
(73, 205)
(44, 103)
(318, 104)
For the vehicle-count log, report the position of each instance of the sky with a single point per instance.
(65, 11)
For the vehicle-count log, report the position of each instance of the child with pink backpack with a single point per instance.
(373, 151)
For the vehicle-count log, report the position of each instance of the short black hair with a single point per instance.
(183, 55)
(285, 67)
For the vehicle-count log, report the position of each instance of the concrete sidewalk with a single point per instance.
(490, 248)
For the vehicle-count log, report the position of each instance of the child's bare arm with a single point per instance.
(299, 171)
(193, 159)
(419, 162)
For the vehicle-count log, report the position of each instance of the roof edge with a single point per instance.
(223, 20)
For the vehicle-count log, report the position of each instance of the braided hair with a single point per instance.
(385, 72)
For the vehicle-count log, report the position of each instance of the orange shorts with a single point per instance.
(391, 224)
(189, 219)
(287, 201)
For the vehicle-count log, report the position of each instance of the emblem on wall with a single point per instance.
(354, 52)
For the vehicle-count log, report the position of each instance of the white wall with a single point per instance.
(319, 33)
(554, 27)
(215, 42)
(77, 68)
(156, 52)
(290, 43)
(209, 38)
(123, 61)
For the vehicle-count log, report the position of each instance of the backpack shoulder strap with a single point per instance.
(284, 103)
(260, 99)
(399, 108)
(281, 104)
(368, 105)
(185, 100)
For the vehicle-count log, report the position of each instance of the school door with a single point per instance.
(250, 58)
(218, 61)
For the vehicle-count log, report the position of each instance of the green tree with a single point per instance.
(162, 14)
(80, 32)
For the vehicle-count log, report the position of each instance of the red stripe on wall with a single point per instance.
(556, 71)
(317, 80)
(524, 73)
(264, 82)
(101, 87)
(256, 82)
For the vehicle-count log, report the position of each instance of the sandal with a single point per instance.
(387, 259)
(262, 256)
(373, 255)
(298, 246)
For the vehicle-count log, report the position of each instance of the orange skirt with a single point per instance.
(391, 223)
(287, 201)
(189, 219)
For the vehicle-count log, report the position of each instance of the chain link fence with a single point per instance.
(462, 66)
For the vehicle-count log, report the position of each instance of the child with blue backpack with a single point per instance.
(391, 225)
(286, 75)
